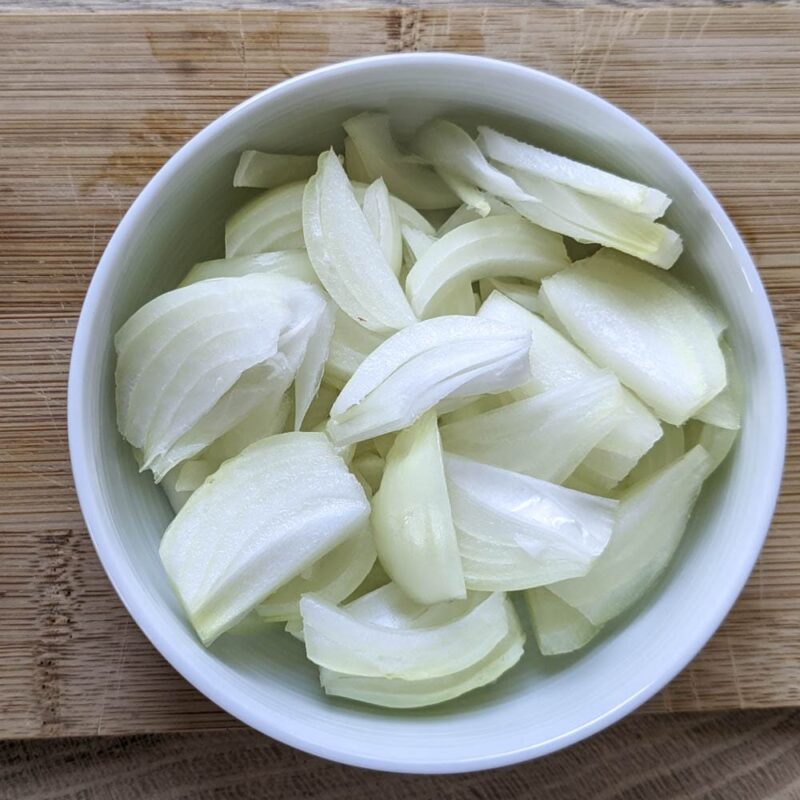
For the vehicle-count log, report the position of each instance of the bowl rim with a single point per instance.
(124, 580)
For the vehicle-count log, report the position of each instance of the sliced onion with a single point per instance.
(545, 436)
(517, 532)
(181, 353)
(464, 214)
(338, 641)
(556, 362)
(411, 518)
(345, 254)
(397, 693)
(496, 246)
(523, 294)
(421, 365)
(292, 263)
(261, 519)
(558, 627)
(652, 517)
(414, 183)
(257, 170)
(635, 197)
(669, 448)
(724, 410)
(350, 345)
(269, 222)
(654, 339)
(353, 163)
(384, 221)
(335, 577)
(717, 442)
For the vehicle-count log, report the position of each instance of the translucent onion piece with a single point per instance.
(180, 353)
(522, 294)
(335, 577)
(451, 149)
(464, 214)
(669, 448)
(397, 693)
(496, 246)
(545, 436)
(261, 519)
(558, 628)
(338, 641)
(268, 418)
(415, 183)
(345, 254)
(716, 319)
(555, 362)
(411, 518)
(416, 241)
(636, 197)
(517, 532)
(259, 388)
(654, 339)
(724, 410)
(269, 222)
(309, 374)
(652, 517)
(292, 263)
(259, 170)
(588, 219)
(421, 365)
(353, 163)
(467, 193)
(350, 345)
(384, 222)
(179, 483)
(717, 442)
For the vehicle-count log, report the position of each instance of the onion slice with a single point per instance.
(411, 518)
(652, 518)
(517, 532)
(558, 627)
(416, 368)
(496, 246)
(292, 263)
(261, 519)
(335, 639)
(345, 254)
(257, 170)
(652, 336)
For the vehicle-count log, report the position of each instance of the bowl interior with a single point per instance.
(265, 678)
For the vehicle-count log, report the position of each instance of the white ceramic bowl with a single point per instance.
(538, 707)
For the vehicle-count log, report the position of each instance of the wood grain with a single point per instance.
(91, 106)
(732, 756)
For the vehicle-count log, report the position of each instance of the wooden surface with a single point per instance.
(91, 106)
(739, 755)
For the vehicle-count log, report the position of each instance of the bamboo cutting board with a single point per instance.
(92, 105)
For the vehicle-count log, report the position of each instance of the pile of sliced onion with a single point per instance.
(373, 430)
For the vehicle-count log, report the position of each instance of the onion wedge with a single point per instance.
(421, 365)
(545, 436)
(269, 222)
(337, 640)
(497, 246)
(345, 254)
(558, 628)
(652, 518)
(556, 362)
(635, 197)
(411, 518)
(654, 339)
(335, 577)
(261, 519)
(413, 182)
(384, 221)
(292, 263)
(518, 532)
(180, 354)
(257, 170)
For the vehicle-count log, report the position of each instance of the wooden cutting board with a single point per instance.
(92, 105)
